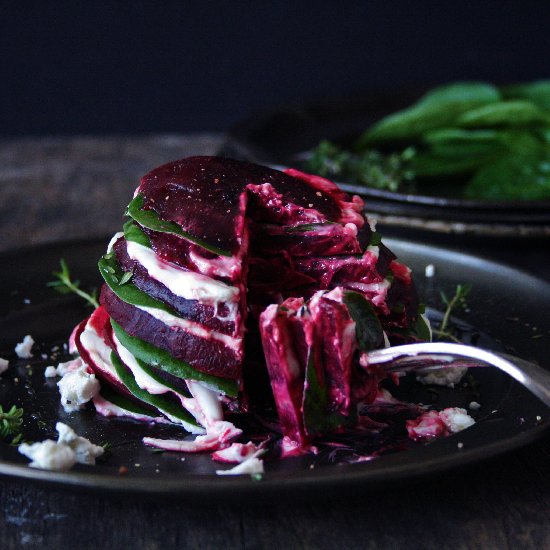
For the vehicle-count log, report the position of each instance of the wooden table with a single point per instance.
(60, 188)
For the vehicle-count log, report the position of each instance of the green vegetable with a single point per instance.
(10, 425)
(504, 113)
(161, 359)
(368, 329)
(489, 142)
(538, 92)
(444, 332)
(124, 402)
(317, 418)
(132, 232)
(126, 291)
(164, 405)
(370, 167)
(65, 285)
(151, 220)
(437, 109)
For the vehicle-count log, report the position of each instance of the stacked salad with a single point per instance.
(236, 287)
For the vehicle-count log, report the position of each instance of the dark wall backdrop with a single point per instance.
(99, 67)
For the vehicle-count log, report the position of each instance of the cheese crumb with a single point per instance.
(63, 454)
(77, 388)
(23, 349)
(429, 271)
(474, 406)
(456, 419)
(443, 377)
(4, 363)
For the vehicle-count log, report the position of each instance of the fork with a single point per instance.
(427, 356)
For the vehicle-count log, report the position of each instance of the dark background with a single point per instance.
(99, 67)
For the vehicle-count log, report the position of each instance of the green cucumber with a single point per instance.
(161, 359)
(151, 220)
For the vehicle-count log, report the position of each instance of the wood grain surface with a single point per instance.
(59, 188)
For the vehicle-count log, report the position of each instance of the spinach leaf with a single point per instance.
(125, 290)
(164, 405)
(368, 329)
(317, 418)
(504, 113)
(538, 92)
(151, 220)
(132, 232)
(124, 402)
(161, 359)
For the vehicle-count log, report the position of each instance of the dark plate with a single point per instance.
(505, 304)
(283, 136)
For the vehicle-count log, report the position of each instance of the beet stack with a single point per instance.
(212, 246)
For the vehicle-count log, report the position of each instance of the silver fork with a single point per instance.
(427, 356)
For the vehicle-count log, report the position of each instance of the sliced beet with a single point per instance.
(286, 371)
(99, 321)
(193, 310)
(204, 196)
(306, 240)
(335, 331)
(203, 354)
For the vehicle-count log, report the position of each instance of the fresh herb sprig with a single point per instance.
(65, 285)
(369, 167)
(10, 425)
(457, 301)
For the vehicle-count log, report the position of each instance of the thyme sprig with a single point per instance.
(456, 301)
(65, 285)
(10, 425)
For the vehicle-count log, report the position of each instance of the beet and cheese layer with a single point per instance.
(225, 267)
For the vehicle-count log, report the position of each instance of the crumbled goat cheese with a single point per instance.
(63, 368)
(85, 451)
(23, 349)
(63, 454)
(443, 377)
(250, 466)
(474, 406)
(49, 455)
(429, 270)
(77, 388)
(456, 419)
(3, 365)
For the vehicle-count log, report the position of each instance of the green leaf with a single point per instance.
(480, 92)
(161, 359)
(368, 329)
(439, 108)
(517, 176)
(151, 220)
(315, 403)
(421, 329)
(504, 113)
(127, 292)
(124, 402)
(457, 142)
(132, 232)
(538, 92)
(161, 403)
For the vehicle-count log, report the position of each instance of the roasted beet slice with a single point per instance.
(204, 354)
(207, 315)
(204, 196)
(286, 370)
(306, 240)
(335, 331)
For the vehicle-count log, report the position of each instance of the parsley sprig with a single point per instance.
(10, 425)
(65, 285)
